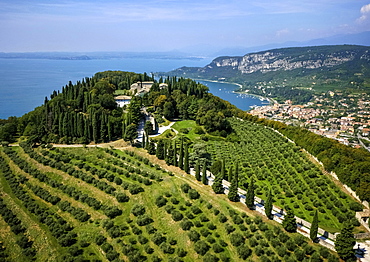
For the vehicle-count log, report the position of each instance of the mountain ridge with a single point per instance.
(322, 62)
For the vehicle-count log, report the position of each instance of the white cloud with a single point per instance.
(365, 11)
(282, 32)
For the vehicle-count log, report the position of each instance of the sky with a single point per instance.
(164, 25)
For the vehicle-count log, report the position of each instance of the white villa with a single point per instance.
(122, 100)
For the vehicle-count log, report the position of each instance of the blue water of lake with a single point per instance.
(24, 83)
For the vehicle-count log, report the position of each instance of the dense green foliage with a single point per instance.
(87, 112)
(249, 197)
(314, 227)
(84, 112)
(269, 205)
(344, 243)
(289, 222)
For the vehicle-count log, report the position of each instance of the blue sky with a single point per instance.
(163, 25)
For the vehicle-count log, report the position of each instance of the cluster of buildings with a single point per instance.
(137, 89)
(341, 116)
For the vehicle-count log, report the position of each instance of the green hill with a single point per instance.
(274, 72)
(91, 204)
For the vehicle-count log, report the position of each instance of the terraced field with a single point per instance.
(94, 204)
(295, 181)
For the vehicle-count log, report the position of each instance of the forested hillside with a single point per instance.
(87, 112)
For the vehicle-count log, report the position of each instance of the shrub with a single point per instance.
(244, 252)
(229, 228)
(144, 220)
(210, 258)
(135, 189)
(354, 206)
(142, 240)
(122, 197)
(186, 224)
(138, 210)
(299, 240)
(308, 250)
(112, 255)
(217, 248)
(222, 218)
(193, 194)
(203, 218)
(166, 248)
(160, 201)
(176, 215)
(204, 232)
(201, 247)
(148, 249)
(181, 252)
(106, 247)
(193, 235)
(324, 252)
(236, 239)
(211, 226)
(196, 210)
(210, 239)
(99, 240)
(299, 254)
(290, 245)
(237, 220)
(158, 239)
(174, 201)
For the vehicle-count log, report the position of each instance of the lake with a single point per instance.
(24, 83)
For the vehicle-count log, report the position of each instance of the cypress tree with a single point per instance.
(268, 205)
(345, 242)
(170, 155)
(143, 140)
(289, 222)
(204, 174)
(233, 190)
(230, 177)
(197, 170)
(181, 154)
(151, 148)
(160, 150)
(223, 173)
(314, 227)
(186, 159)
(249, 198)
(217, 186)
(175, 162)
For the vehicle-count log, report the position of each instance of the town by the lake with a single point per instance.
(338, 115)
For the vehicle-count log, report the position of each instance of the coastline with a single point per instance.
(215, 81)
(270, 100)
(262, 98)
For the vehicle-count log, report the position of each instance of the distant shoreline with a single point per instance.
(215, 81)
(262, 98)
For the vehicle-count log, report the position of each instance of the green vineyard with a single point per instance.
(295, 181)
(95, 204)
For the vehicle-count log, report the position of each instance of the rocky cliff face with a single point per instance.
(282, 60)
(296, 66)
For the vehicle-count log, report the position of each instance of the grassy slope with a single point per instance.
(212, 207)
(273, 161)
